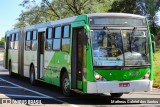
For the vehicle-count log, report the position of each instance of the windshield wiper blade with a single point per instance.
(130, 37)
(106, 28)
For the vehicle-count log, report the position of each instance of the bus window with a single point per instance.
(16, 41)
(66, 31)
(12, 41)
(58, 32)
(57, 39)
(48, 45)
(66, 39)
(34, 35)
(34, 41)
(56, 44)
(28, 41)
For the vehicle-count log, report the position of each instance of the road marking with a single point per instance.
(9, 87)
(1, 80)
(46, 96)
(22, 96)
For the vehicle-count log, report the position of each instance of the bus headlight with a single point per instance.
(97, 76)
(147, 75)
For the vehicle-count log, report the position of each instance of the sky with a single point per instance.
(10, 11)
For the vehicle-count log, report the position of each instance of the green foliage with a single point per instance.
(125, 6)
(157, 68)
(57, 9)
(2, 42)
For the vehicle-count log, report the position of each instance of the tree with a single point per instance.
(2, 42)
(125, 6)
(150, 8)
(147, 8)
(57, 9)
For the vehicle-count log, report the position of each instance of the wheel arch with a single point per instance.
(63, 70)
(30, 68)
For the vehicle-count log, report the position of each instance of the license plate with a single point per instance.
(124, 84)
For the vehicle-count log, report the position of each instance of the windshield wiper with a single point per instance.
(131, 37)
(106, 28)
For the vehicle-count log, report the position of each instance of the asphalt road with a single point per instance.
(18, 91)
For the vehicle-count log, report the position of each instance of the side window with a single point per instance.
(28, 41)
(66, 39)
(57, 32)
(49, 35)
(57, 39)
(66, 31)
(16, 41)
(12, 41)
(34, 40)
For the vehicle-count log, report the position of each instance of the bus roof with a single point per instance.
(116, 15)
(71, 19)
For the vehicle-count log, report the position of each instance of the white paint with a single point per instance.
(44, 96)
(23, 96)
(42, 29)
(113, 86)
(8, 87)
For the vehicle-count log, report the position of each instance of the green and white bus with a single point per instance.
(91, 53)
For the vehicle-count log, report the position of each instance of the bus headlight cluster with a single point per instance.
(147, 75)
(97, 76)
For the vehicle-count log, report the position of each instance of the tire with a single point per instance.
(10, 70)
(32, 75)
(65, 85)
(118, 95)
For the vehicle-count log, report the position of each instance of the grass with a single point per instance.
(157, 67)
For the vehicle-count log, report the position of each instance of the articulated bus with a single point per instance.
(91, 53)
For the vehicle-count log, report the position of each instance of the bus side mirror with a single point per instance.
(153, 46)
(153, 43)
(86, 31)
(85, 38)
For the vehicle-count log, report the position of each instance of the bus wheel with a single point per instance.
(10, 70)
(32, 75)
(116, 94)
(65, 85)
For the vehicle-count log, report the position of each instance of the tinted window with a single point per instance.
(66, 31)
(34, 35)
(66, 44)
(28, 45)
(28, 36)
(12, 37)
(56, 44)
(16, 39)
(34, 45)
(49, 33)
(118, 21)
(49, 44)
(58, 32)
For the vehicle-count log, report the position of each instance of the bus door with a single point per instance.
(40, 59)
(7, 47)
(78, 58)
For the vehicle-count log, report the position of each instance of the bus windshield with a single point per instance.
(113, 47)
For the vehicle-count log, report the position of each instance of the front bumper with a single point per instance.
(113, 86)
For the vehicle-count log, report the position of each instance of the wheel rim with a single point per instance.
(66, 85)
